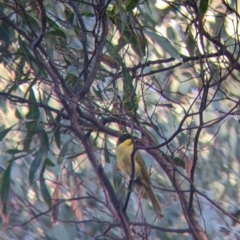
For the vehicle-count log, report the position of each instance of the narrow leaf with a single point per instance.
(63, 151)
(106, 152)
(49, 162)
(131, 4)
(44, 144)
(33, 112)
(55, 211)
(5, 186)
(57, 133)
(179, 162)
(73, 71)
(56, 32)
(27, 141)
(139, 43)
(44, 190)
(34, 167)
(203, 7)
(14, 151)
(118, 183)
(18, 114)
(129, 95)
(5, 132)
(164, 43)
(31, 126)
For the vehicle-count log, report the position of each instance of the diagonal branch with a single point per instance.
(101, 175)
(195, 229)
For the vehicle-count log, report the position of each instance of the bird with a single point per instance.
(124, 149)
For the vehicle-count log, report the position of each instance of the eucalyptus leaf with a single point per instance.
(73, 70)
(63, 151)
(57, 136)
(131, 4)
(203, 7)
(129, 96)
(13, 151)
(179, 162)
(164, 43)
(5, 184)
(18, 114)
(44, 189)
(34, 167)
(106, 152)
(33, 112)
(44, 144)
(5, 132)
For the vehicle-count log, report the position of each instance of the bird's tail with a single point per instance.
(155, 203)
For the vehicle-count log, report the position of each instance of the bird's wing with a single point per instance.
(143, 175)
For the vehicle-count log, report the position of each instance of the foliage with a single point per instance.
(75, 74)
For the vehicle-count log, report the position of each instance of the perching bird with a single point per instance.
(124, 150)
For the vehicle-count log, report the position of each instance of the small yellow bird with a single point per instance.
(124, 150)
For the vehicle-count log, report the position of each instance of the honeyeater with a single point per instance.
(141, 179)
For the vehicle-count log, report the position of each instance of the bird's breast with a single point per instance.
(124, 162)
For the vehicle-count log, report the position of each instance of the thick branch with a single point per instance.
(102, 177)
(195, 229)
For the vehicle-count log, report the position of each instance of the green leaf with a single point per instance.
(57, 136)
(72, 81)
(63, 151)
(33, 112)
(130, 30)
(49, 162)
(18, 114)
(31, 126)
(24, 52)
(44, 144)
(134, 37)
(44, 190)
(51, 22)
(49, 114)
(138, 43)
(106, 152)
(98, 92)
(164, 43)
(73, 71)
(129, 95)
(69, 15)
(203, 7)
(88, 14)
(57, 132)
(131, 4)
(13, 151)
(27, 141)
(34, 167)
(33, 21)
(123, 24)
(6, 34)
(191, 43)
(56, 32)
(179, 162)
(5, 132)
(118, 183)
(182, 138)
(113, 51)
(13, 88)
(5, 186)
